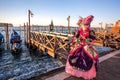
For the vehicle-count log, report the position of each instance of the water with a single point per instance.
(26, 65)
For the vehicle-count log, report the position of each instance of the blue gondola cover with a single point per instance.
(1, 41)
(15, 41)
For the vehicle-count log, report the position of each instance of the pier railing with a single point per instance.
(108, 39)
(52, 43)
(58, 44)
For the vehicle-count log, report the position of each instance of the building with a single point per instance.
(116, 27)
(3, 24)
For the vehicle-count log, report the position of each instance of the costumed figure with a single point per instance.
(1, 41)
(83, 58)
(15, 42)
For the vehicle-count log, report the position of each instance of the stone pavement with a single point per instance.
(109, 69)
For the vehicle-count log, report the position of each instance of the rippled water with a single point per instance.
(26, 65)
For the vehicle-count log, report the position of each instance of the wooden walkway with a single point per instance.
(55, 44)
(52, 43)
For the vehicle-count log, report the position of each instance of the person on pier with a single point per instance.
(83, 58)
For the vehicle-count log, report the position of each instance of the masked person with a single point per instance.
(83, 58)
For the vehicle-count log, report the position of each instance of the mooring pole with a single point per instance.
(38, 28)
(100, 26)
(30, 14)
(7, 35)
(20, 29)
(62, 29)
(24, 32)
(29, 27)
(68, 24)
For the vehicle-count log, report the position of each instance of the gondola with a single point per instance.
(1, 42)
(15, 42)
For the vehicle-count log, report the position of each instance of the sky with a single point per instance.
(16, 11)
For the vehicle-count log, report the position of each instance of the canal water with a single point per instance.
(26, 65)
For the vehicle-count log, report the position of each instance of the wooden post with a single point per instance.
(38, 28)
(101, 26)
(62, 29)
(68, 24)
(33, 28)
(7, 35)
(20, 29)
(27, 32)
(24, 32)
(28, 24)
(57, 28)
(29, 12)
(55, 43)
(44, 28)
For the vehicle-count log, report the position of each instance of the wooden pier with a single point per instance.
(52, 43)
(57, 44)
(108, 39)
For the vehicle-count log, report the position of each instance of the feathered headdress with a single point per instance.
(85, 21)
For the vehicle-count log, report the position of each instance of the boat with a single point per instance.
(15, 42)
(1, 42)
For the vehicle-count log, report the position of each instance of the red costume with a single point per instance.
(83, 58)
